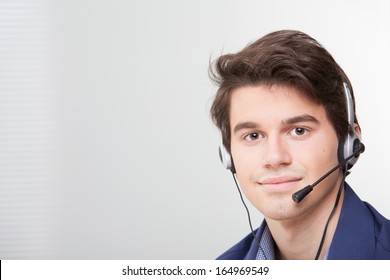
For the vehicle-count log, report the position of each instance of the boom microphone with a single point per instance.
(301, 194)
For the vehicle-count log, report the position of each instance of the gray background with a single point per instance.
(107, 150)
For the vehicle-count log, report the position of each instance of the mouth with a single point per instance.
(280, 183)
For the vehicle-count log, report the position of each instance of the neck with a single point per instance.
(299, 239)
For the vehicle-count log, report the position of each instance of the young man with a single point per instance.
(289, 135)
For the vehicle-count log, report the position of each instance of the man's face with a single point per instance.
(280, 143)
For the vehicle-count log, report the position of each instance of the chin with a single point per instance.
(280, 211)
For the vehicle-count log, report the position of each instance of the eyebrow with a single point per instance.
(302, 118)
(293, 120)
(244, 125)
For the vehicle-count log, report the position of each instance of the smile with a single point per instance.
(280, 183)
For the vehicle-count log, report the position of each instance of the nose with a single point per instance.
(276, 153)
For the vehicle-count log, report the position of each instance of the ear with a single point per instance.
(357, 130)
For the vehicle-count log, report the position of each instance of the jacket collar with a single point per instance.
(252, 253)
(354, 238)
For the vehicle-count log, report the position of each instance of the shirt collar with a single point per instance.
(266, 250)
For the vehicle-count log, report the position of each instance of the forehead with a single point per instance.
(253, 103)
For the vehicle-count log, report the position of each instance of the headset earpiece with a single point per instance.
(347, 147)
(226, 158)
(349, 144)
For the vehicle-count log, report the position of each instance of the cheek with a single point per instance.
(322, 162)
(247, 166)
(242, 160)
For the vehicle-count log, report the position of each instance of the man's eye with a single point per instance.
(252, 136)
(298, 131)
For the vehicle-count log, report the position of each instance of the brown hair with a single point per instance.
(287, 58)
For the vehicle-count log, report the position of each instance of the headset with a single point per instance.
(347, 145)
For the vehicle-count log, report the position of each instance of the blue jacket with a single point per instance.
(361, 234)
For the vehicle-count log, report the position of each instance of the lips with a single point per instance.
(279, 180)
